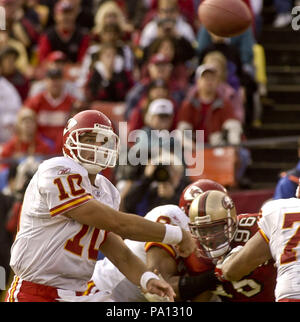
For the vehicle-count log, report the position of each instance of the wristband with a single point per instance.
(146, 277)
(173, 235)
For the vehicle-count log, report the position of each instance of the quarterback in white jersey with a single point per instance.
(278, 237)
(59, 185)
(70, 212)
(107, 276)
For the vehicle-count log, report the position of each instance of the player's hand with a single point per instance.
(219, 267)
(188, 245)
(159, 291)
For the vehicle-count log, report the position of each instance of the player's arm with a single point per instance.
(159, 259)
(132, 267)
(255, 252)
(185, 287)
(93, 213)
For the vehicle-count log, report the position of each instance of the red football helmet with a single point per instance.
(195, 189)
(213, 221)
(100, 151)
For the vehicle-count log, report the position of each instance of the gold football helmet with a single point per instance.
(213, 221)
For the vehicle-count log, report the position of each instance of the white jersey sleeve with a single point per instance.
(63, 184)
(280, 224)
(167, 214)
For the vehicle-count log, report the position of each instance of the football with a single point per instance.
(225, 18)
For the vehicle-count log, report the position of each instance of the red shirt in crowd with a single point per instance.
(52, 116)
(209, 117)
(15, 147)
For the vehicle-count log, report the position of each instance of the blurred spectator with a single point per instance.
(283, 10)
(187, 8)
(161, 183)
(24, 172)
(30, 13)
(9, 69)
(85, 13)
(53, 107)
(157, 89)
(6, 238)
(159, 120)
(11, 207)
(108, 81)
(178, 50)
(26, 140)
(110, 34)
(159, 67)
(65, 35)
(204, 109)
(239, 53)
(18, 25)
(56, 59)
(219, 62)
(168, 21)
(288, 183)
(10, 103)
(136, 11)
(8, 177)
(110, 13)
(22, 60)
(36, 12)
(242, 43)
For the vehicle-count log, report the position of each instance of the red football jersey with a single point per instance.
(258, 286)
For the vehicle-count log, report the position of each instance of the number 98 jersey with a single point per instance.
(51, 248)
(258, 286)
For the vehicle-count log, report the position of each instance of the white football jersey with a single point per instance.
(280, 225)
(107, 277)
(50, 248)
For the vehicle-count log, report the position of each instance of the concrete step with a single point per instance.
(283, 53)
(271, 35)
(283, 75)
(281, 113)
(284, 94)
(269, 130)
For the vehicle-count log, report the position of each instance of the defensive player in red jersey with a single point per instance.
(169, 263)
(218, 229)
